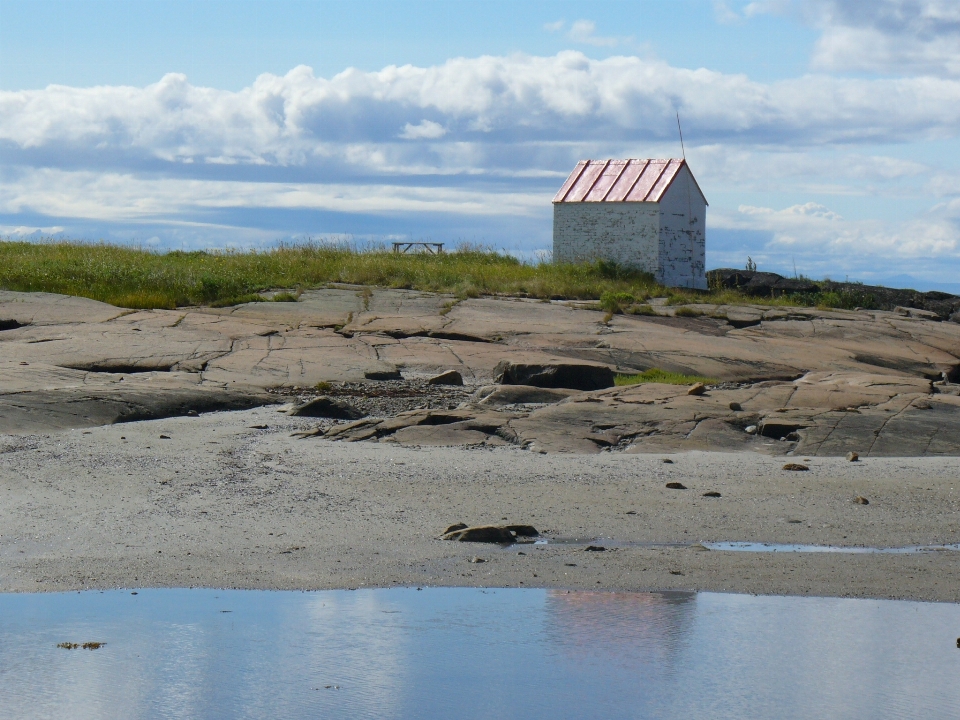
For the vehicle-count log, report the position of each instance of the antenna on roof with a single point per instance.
(681, 137)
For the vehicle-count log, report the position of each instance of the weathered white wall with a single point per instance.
(626, 232)
(682, 251)
(667, 238)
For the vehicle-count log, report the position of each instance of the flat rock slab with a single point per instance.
(500, 395)
(68, 399)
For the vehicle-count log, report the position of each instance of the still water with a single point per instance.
(469, 653)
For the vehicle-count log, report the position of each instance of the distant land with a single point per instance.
(908, 282)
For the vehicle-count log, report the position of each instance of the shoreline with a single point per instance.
(218, 503)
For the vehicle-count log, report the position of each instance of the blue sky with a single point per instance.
(823, 132)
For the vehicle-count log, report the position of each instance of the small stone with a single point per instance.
(676, 572)
(523, 530)
(676, 486)
(193, 413)
(631, 512)
(736, 407)
(477, 560)
(711, 493)
(795, 466)
(164, 437)
(482, 533)
(450, 377)
(327, 407)
(454, 528)
(861, 500)
(667, 461)
(697, 389)
(594, 548)
(750, 429)
(852, 457)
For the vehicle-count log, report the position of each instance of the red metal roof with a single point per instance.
(620, 180)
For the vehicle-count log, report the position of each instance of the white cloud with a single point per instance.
(21, 231)
(585, 32)
(724, 14)
(426, 130)
(895, 36)
(815, 232)
(124, 197)
(553, 27)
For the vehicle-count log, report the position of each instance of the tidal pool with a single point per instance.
(469, 653)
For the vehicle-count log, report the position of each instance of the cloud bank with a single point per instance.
(300, 119)
(484, 142)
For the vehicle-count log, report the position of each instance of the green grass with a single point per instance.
(656, 375)
(138, 278)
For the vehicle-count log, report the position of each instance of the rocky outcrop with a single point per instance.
(759, 284)
(764, 284)
(818, 414)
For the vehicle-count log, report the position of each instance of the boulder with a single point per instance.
(576, 376)
(450, 377)
(327, 407)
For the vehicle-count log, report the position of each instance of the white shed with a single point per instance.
(645, 214)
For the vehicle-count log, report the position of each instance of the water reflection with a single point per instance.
(466, 653)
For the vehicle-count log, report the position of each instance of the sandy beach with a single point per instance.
(216, 501)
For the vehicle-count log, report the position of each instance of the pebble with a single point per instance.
(750, 429)
(861, 500)
(667, 461)
(711, 493)
(736, 407)
(852, 456)
(594, 548)
(477, 560)
(795, 466)
(676, 486)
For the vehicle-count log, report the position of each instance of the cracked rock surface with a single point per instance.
(818, 382)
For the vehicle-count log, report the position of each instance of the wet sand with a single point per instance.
(221, 504)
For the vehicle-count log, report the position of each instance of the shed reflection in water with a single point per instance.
(467, 653)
